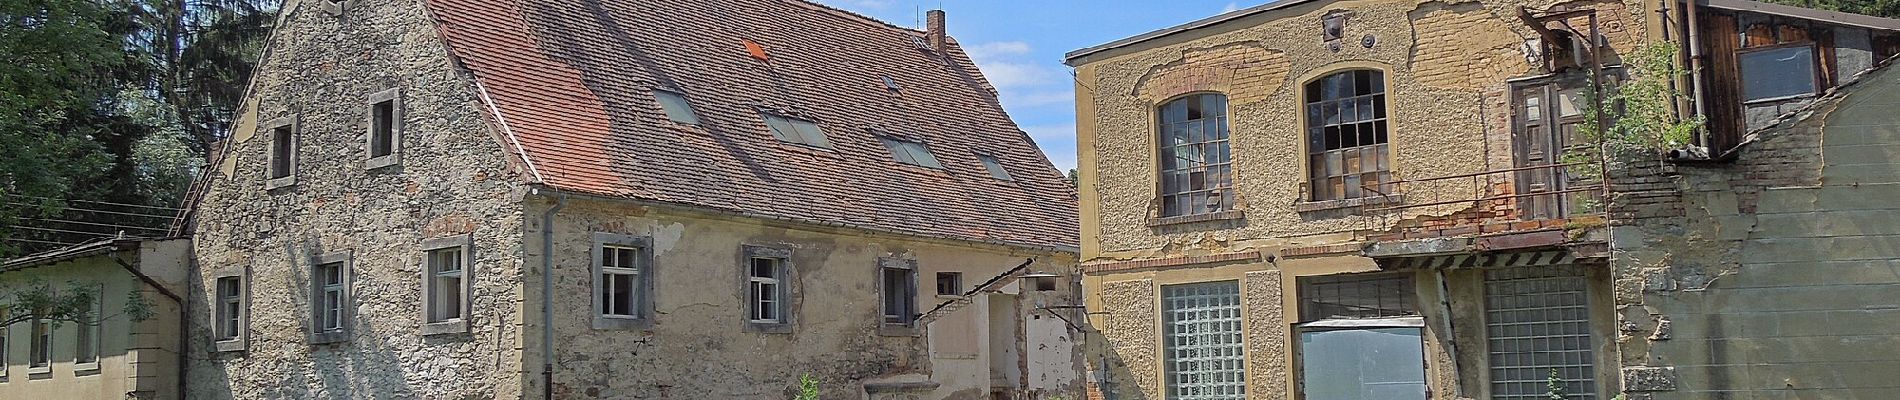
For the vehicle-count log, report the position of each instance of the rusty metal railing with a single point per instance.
(1489, 197)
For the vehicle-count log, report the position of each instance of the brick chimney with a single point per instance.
(934, 29)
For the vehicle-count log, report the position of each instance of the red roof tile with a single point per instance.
(573, 81)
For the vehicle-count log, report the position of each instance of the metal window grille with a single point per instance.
(1201, 327)
(1346, 135)
(619, 281)
(1353, 296)
(1538, 320)
(1196, 163)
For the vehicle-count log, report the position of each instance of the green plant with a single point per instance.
(38, 300)
(1636, 114)
(1556, 385)
(807, 388)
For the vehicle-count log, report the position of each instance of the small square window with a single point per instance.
(384, 137)
(676, 107)
(797, 131)
(909, 152)
(950, 283)
(995, 167)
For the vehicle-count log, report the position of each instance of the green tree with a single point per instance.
(39, 300)
(1878, 8)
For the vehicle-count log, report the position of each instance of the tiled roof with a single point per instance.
(572, 83)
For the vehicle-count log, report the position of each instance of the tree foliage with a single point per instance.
(39, 300)
(1878, 8)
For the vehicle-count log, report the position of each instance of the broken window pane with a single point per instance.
(1385, 363)
(1194, 136)
(763, 290)
(1346, 111)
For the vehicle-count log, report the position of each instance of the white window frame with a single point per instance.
(782, 279)
(396, 127)
(235, 307)
(642, 272)
(434, 312)
(270, 153)
(320, 292)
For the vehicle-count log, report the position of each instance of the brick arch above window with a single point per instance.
(1248, 70)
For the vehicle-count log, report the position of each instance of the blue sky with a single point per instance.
(1019, 45)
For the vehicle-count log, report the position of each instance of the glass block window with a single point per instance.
(1537, 320)
(1196, 167)
(1356, 296)
(1201, 329)
(1346, 135)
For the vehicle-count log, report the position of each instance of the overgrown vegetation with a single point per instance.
(807, 388)
(1637, 113)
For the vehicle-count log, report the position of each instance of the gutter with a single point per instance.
(547, 295)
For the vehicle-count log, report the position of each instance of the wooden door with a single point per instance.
(1547, 116)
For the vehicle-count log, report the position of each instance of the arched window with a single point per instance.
(1196, 175)
(1346, 135)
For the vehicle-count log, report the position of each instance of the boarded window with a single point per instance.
(1777, 72)
(1201, 329)
(676, 107)
(1196, 171)
(1538, 320)
(795, 130)
(1346, 136)
(912, 153)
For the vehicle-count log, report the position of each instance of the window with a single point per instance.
(995, 166)
(797, 131)
(1196, 171)
(897, 283)
(949, 283)
(1361, 338)
(1346, 135)
(445, 288)
(676, 107)
(283, 154)
(763, 291)
(331, 301)
(231, 310)
(623, 275)
(1538, 320)
(385, 128)
(1777, 72)
(912, 153)
(41, 354)
(88, 334)
(1202, 341)
(6, 338)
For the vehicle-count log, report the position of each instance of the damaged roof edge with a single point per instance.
(1071, 57)
(1837, 17)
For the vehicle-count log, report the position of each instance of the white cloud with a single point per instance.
(1012, 75)
(1231, 7)
(1027, 99)
(994, 50)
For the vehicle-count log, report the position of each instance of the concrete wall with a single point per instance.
(698, 345)
(137, 359)
(453, 179)
(1773, 276)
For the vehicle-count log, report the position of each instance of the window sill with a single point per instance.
(445, 327)
(39, 372)
(384, 161)
(896, 330)
(321, 338)
(621, 323)
(1229, 215)
(228, 346)
(279, 183)
(86, 369)
(768, 327)
(1324, 205)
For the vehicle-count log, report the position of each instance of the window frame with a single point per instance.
(784, 302)
(643, 273)
(1315, 143)
(908, 326)
(908, 152)
(1306, 323)
(1165, 150)
(6, 341)
(39, 352)
(995, 166)
(239, 311)
(956, 284)
(1814, 70)
(459, 324)
(796, 125)
(691, 113)
(93, 335)
(346, 302)
(392, 96)
(272, 181)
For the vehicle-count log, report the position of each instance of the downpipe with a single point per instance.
(547, 295)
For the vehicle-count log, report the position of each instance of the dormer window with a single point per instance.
(913, 153)
(795, 130)
(676, 107)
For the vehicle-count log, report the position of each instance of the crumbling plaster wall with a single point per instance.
(1774, 275)
(454, 179)
(698, 345)
(1445, 64)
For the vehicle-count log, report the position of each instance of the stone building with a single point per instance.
(627, 199)
(111, 355)
(1327, 199)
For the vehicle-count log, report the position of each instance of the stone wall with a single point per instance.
(1773, 275)
(453, 179)
(698, 344)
